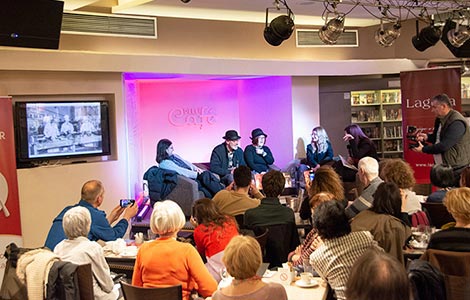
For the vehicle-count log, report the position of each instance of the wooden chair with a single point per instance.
(131, 292)
(438, 214)
(85, 282)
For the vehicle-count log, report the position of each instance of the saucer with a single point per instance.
(304, 284)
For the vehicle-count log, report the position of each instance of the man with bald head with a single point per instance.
(92, 196)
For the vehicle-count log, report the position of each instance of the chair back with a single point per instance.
(438, 214)
(456, 269)
(85, 282)
(240, 218)
(131, 292)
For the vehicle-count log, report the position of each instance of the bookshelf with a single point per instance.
(378, 112)
(465, 96)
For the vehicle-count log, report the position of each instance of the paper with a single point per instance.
(346, 164)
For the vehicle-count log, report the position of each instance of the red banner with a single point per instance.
(417, 90)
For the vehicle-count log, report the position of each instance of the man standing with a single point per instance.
(235, 200)
(368, 171)
(92, 196)
(450, 140)
(226, 157)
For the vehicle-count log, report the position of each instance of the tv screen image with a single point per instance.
(48, 130)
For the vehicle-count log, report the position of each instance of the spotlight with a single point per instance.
(427, 37)
(185, 1)
(331, 31)
(280, 28)
(462, 51)
(385, 37)
(458, 36)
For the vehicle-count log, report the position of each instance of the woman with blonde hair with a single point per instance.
(319, 151)
(166, 261)
(242, 258)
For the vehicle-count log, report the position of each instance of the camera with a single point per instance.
(126, 202)
(411, 136)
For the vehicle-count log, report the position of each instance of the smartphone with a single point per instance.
(311, 175)
(126, 202)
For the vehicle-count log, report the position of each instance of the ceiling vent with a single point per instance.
(310, 38)
(109, 25)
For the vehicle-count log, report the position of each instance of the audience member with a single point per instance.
(369, 176)
(212, 233)
(258, 156)
(319, 151)
(465, 177)
(226, 157)
(326, 181)
(450, 140)
(377, 275)
(341, 248)
(167, 159)
(359, 146)
(442, 177)
(92, 196)
(235, 199)
(78, 249)
(165, 261)
(457, 202)
(400, 172)
(312, 241)
(242, 259)
(385, 221)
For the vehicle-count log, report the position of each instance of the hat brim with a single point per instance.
(233, 138)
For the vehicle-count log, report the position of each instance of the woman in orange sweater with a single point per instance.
(166, 261)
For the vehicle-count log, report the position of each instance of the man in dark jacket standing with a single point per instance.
(226, 157)
(450, 138)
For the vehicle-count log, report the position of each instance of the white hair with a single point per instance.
(167, 218)
(370, 166)
(76, 222)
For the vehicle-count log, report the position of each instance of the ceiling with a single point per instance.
(359, 13)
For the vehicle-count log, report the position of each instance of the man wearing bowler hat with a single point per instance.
(227, 156)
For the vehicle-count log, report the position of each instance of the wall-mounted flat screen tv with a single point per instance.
(68, 129)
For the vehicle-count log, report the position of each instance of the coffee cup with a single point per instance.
(306, 277)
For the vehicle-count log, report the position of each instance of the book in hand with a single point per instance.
(346, 164)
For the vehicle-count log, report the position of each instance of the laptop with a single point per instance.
(346, 164)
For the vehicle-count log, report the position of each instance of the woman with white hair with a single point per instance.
(78, 249)
(166, 261)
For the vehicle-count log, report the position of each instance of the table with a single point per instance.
(294, 292)
(121, 265)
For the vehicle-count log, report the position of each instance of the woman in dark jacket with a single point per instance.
(258, 156)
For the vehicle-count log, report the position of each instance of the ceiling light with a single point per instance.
(332, 30)
(385, 37)
(427, 37)
(458, 35)
(280, 28)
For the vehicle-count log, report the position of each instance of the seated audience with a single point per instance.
(92, 196)
(369, 176)
(465, 177)
(78, 249)
(242, 259)
(165, 261)
(235, 199)
(400, 172)
(312, 240)
(341, 248)
(319, 151)
(326, 181)
(258, 156)
(384, 220)
(212, 233)
(442, 177)
(457, 202)
(226, 157)
(167, 159)
(377, 275)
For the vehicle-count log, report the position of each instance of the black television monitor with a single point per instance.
(55, 130)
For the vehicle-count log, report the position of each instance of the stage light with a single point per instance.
(427, 37)
(458, 36)
(280, 28)
(185, 1)
(332, 30)
(385, 37)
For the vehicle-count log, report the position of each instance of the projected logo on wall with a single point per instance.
(198, 116)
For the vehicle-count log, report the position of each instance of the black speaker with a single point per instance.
(31, 23)
(462, 51)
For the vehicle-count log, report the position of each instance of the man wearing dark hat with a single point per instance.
(226, 157)
(257, 155)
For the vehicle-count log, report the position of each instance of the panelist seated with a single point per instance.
(227, 156)
(258, 156)
(92, 196)
(167, 159)
(78, 249)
